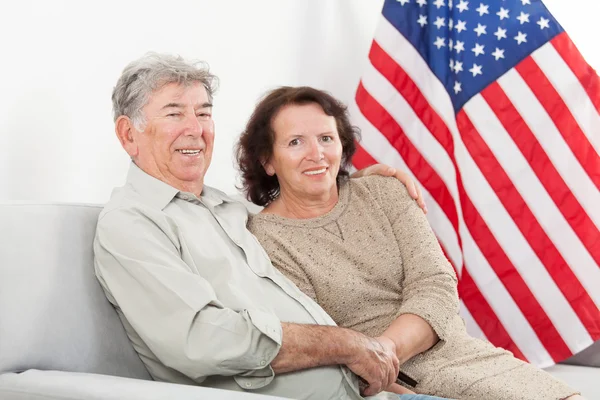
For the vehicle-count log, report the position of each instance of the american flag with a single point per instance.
(494, 111)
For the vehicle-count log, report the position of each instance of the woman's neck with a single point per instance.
(291, 206)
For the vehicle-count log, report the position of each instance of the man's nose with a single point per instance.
(194, 126)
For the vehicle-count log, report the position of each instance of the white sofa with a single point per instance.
(61, 339)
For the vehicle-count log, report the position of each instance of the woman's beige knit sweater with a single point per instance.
(374, 257)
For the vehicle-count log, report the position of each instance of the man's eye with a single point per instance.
(327, 139)
(294, 142)
(203, 115)
(173, 115)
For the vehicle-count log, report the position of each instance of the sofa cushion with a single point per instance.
(58, 385)
(589, 357)
(53, 312)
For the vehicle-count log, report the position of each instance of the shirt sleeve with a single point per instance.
(430, 284)
(175, 311)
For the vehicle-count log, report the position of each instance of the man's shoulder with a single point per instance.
(126, 204)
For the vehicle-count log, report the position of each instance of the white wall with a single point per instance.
(60, 60)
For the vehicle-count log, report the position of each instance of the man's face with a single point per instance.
(177, 143)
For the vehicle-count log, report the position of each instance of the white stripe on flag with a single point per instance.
(521, 332)
(568, 86)
(403, 52)
(568, 167)
(387, 95)
(472, 326)
(545, 211)
(504, 306)
(506, 309)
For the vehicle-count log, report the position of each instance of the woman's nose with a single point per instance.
(315, 153)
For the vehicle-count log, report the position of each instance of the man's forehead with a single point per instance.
(182, 94)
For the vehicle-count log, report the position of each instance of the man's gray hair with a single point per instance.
(150, 73)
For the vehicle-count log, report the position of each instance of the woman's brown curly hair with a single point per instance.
(256, 142)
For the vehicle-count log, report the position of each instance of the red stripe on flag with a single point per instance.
(427, 176)
(514, 283)
(584, 73)
(361, 158)
(540, 163)
(560, 114)
(394, 134)
(539, 242)
(481, 312)
(492, 250)
(404, 84)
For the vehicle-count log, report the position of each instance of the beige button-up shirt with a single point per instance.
(197, 294)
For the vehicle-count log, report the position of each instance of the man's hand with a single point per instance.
(381, 169)
(376, 363)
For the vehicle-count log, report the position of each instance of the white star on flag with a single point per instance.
(450, 23)
(450, 4)
(526, 2)
(440, 42)
(476, 70)
(543, 23)
(478, 49)
(500, 33)
(403, 2)
(458, 67)
(451, 64)
(457, 87)
(480, 30)
(422, 3)
(523, 17)
(498, 54)
(463, 5)
(439, 22)
(422, 20)
(450, 44)
(503, 13)
(483, 9)
(459, 46)
(521, 37)
(439, 3)
(460, 26)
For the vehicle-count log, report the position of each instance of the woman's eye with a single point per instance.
(295, 142)
(327, 138)
(173, 115)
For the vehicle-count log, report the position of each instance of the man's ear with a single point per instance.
(124, 129)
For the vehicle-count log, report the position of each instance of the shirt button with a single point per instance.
(263, 363)
(248, 384)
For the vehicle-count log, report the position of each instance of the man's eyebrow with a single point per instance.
(179, 105)
(173, 105)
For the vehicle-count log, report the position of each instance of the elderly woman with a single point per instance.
(364, 251)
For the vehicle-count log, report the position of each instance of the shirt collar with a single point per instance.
(159, 194)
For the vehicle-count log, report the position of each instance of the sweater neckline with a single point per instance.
(322, 220)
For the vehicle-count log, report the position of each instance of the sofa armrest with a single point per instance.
(59, 385)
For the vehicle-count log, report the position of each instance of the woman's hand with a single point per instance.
(381, 169)
(398, 389)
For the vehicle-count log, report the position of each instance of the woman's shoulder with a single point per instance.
(381, 187)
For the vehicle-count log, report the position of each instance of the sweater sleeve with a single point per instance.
(430, 284)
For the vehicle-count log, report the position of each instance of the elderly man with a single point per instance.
(198, 296)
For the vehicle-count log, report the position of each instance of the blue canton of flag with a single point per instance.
(470, 44)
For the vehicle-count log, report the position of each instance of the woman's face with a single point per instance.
(307, 151)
